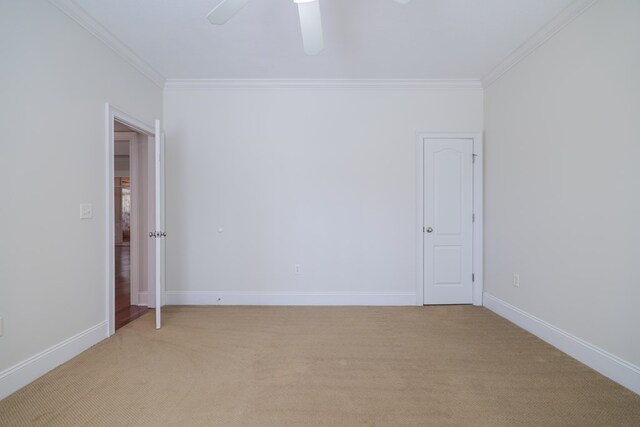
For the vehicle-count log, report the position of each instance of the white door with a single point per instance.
(160, 233)
(448, 223)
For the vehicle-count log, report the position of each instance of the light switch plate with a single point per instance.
(86, 211)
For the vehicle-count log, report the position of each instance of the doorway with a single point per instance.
(134, 218)
(449, 182)
(131, 204)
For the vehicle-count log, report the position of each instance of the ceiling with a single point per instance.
(364, 39)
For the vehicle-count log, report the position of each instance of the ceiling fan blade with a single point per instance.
(310, 25)
(225, 10)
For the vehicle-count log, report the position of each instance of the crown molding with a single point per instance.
(187, 84)
(565, 17)
(75, 12)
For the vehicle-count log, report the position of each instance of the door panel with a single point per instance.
(448, 164)
(447, 265)
(448, 209)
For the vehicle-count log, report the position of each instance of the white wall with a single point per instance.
(562, 182)
(55, 79)
(320, 177)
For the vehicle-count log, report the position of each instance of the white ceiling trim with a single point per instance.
(75, 12)
(188, 84)
(565, 17)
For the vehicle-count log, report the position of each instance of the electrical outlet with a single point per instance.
(297, 268)
(516, 280)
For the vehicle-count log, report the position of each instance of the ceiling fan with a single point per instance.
(308, 11)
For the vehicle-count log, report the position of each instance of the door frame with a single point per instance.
(112, 114)
(477, 235)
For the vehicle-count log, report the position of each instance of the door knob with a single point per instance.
(429, 230)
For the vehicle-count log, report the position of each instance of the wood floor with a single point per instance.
(125, 312)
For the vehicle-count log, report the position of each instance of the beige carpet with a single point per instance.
(330, 366)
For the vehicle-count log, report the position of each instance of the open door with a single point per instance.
(153, 218)
(160, 234)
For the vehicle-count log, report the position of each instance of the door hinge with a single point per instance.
(473, 158)
(473, 217)
(473, 277)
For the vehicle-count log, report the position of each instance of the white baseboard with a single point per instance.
(290, 298)
(143, 298)
(25, 372)
(609, 365)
